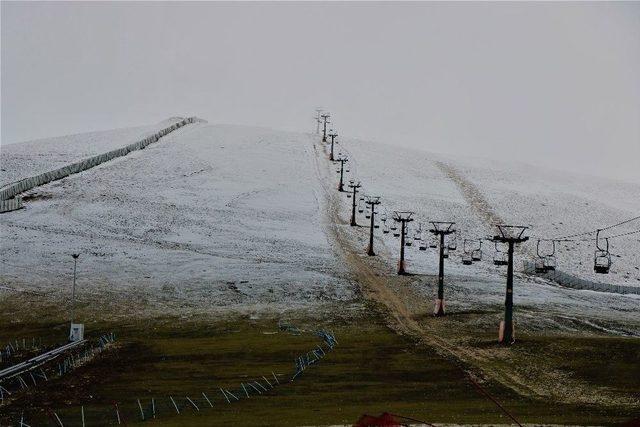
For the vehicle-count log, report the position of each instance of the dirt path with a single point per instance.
(528, 374)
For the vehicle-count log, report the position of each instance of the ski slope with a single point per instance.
(219, 216)
(22, 160)
(552, 203)
(222, 217)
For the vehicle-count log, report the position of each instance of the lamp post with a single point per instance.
(73, 289)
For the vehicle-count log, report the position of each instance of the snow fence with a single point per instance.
(8, 193)
(574, 282)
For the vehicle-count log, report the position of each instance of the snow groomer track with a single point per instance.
(10, 201)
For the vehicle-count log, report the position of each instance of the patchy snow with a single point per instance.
(231, 216)
(222, 215)
(25, 159)
(552, 203)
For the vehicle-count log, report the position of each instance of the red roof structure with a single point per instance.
(384, 420)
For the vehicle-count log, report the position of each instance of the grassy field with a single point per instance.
(370, 371)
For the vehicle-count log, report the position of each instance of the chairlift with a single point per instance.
(433, 243)
(422, 245)
(418, 234)
(545, 262)
(396, 232)
(500, 257)
(601, 257)
(476, 254)
(467, 258)
(550, 262)
(407, 241)
(445, 252)
(385, 229)
(452, 246)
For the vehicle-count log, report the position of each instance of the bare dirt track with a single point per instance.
(535, 368)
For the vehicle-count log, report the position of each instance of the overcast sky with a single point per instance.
(554, 84)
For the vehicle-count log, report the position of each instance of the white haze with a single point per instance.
(553, 84)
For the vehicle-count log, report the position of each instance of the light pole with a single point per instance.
(354, 187)
(73, 289)
(333, 136)
(403, 218)
(372, 201)
(441, 229)
(325, 117)
(510, 234)
(342, 161)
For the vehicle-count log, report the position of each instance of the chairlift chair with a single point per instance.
(476, 254)
(545, 262)
(385, 229)
(601, 257)
(445, 252)
(602, 262)
(407, 240)
(452, 243)
(433, 243)
(467, 259)
(500, 257)
(422, 245)
(550, 263)
(417, 235)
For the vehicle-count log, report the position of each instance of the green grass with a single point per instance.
(372, 370)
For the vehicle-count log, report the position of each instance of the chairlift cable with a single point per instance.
(594, 231)
(623, 234)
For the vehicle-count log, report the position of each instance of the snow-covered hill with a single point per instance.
(235, 217)
(26, 159)
(552, 203)
(220, 215)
